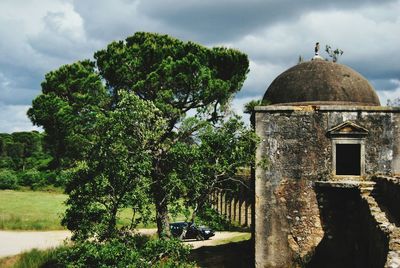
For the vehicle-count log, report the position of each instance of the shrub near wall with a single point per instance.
(211, 218)
(126, 251)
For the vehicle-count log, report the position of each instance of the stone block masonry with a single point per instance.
(297, 149)
(357, 232)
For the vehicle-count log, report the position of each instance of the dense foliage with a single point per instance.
(21, 151)
(177, 77)
(79, 107)
(129, 251)
(132, 251)
(211, 160)
(24, 161)
(8, 179)
(71, 98)
(116, 173)
(211, 218)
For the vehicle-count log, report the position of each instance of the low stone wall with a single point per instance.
(387, 193)
(376, 228)
(389, 189)
(358, 228)
(351, 238)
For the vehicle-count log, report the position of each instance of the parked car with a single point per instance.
(188, 230)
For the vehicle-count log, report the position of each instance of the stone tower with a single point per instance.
(322, 123)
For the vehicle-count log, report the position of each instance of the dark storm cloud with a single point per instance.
(385, 84)
(216, 21)
(40, 36)
(114, 20)
(375, 69)
(18, 86)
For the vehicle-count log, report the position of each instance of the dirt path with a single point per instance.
(12, 243)
(15, 242)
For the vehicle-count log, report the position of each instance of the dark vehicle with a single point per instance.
(188, 230)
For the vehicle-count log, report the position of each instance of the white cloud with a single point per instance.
(359, 35)
(106, 21)
(40, 35)
(18, 21)
(13, 118)
(259, 78)
(62, 39)
(370, 43)
(385, 95)
(239, 103)
(212, 21)
(67, 22)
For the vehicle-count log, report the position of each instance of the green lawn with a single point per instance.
(31, 210)
(35, 210)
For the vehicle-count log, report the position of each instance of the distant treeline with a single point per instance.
(20, 151)
(24, 161)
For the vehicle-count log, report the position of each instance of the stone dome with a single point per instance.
(320, 82)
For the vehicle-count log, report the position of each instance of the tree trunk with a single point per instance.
(161, 202)
(112, 223)
(200, 204)
(194, 214)
(162, 217)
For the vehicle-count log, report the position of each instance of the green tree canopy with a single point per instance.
(211, 160)
(116, 174)
(71, 97)
(176, 76)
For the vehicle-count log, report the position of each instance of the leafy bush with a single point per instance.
(208, 216)
(8, 179)
(58, 179)
(133, 251)
(93, 254)
(32, 178)
(166, 253)
(39, 180)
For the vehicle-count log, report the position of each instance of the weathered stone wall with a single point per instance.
(352, 221)
(384, 222)
(294, 151)
(389, 193)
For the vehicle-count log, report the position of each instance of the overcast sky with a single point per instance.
(38, 36)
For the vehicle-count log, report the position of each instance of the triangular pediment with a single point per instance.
(347, 128)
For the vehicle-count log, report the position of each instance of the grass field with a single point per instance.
(34, 258)
(31, 210)
(36, 210)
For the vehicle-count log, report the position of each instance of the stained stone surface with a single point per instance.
(295, 152)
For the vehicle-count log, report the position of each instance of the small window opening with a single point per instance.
(348, 159)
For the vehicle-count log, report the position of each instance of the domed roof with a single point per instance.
(321, 82)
